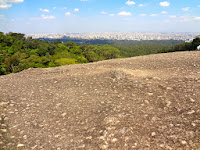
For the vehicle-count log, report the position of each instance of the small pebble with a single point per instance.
(169, 88)
(191, 112)
(34, 147)
(104, 146)
(4, 130)
(114, 140)
(193, 124)
(123, 130)
(150, 94)
(63, 115)
(89, 137)
(183, 142)
(153, 134)
(192, 100)
(161, 145)
(20, 145)
(25, 137)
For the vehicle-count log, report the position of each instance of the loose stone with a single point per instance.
(114, 140)
(89, 137)
(192, 100)
(153, 134)
(4, 130)
(183, 142)
(20, 145)
(150, 94)
(191, 112)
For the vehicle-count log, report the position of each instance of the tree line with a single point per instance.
(18, 53)
(130, 48)
(139, 48)
(188, 46)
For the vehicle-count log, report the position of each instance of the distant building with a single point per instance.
(188, 40)
(198, 36)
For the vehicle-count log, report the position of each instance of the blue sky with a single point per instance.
(49, 16)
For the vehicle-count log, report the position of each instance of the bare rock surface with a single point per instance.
(148, 102)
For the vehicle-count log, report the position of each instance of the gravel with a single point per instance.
(147, 102)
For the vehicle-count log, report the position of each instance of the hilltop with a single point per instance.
(145, 102)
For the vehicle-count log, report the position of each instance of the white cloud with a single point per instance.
(141, 5)
(83, 0)
(47, 17)
(67, 14)
(130, 3)
(197, 18)
(54, 7)
(185, 9)
(15, 1)
(172, 16)
(124, 13)
(164, 12)
(43, 17)
(5, 4)
(198, 6)
(143, 15)
(65, 8)
(103, 13)
(111, 15)
(44, 10)
(164, 4)
(154, 15)
(76, 10)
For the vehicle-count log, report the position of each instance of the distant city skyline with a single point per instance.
(133, 36)
(62, 16)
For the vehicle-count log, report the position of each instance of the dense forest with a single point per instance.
(138, 48)
(18, 53)
(188, 46)
(130, 48)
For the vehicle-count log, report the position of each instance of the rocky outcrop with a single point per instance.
(148, 102)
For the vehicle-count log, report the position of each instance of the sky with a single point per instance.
(58, 16)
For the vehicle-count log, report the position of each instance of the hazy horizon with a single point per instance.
(105, 32)
(86, 16)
